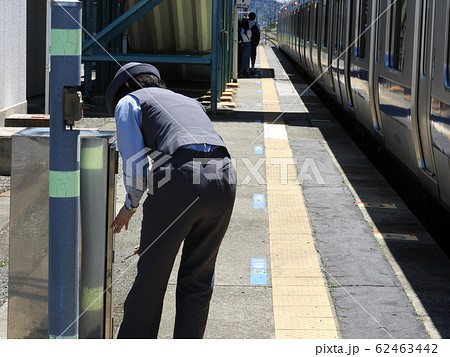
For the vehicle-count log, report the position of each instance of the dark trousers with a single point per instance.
(240, 50)
(193, 207)
(246, 55)
(253, 54)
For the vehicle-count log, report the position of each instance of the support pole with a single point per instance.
(214, 54)
(64, 174)
(235, 73)
(47, 56)
(90, 29)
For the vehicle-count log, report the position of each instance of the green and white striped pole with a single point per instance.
(64, 174)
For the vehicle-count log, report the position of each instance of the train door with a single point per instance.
(330, 45)
(294, 35)
(304, 24)
(291, 35)
(299, 35)
(374, 66)
(422, 101)
(344, 57)
(440, 102)
(309, 38)
(315, 44)
(325, 56)
(336, 51)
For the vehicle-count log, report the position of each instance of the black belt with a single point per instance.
(219, 152)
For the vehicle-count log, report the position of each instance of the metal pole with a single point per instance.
(47, 57)
(235, 43)
(64, 174)
(214, 54)
(229, 49)
(221, 68)
(90, 29)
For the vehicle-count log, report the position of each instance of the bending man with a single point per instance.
(192, 186)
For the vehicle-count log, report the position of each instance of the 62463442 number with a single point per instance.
(406, 348)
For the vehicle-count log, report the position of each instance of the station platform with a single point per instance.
(319, 246)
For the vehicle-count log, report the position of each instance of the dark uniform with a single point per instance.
(193, 206)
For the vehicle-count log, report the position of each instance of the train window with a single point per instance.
(362, 28)
(397, 34)
(325, 15)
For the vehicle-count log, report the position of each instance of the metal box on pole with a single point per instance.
(29, 246)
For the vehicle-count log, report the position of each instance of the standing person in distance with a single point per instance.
(256, 36)
(240, 48)
(246, 35)
(193, 206)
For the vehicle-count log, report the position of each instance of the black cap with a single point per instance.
(124, 74)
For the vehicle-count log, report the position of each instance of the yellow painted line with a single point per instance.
(308, 334)
(270, 95)
(263, 58)
(227, 104)
(301, 303)
(287, 298)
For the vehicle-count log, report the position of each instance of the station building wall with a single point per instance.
(13, 58)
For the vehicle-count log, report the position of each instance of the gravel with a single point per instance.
(5, 182)
(93, 122)
(4, 235)
(4, 248)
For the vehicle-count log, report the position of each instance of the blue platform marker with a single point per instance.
(258, 149)
(258, 121)
(259, 91)
(258, 271)
(259, 201)
(258, 104)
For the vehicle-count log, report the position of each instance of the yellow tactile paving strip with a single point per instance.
(301, 303)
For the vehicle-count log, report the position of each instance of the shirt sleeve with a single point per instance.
(132, 149)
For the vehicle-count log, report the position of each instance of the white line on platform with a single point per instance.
(275, 131)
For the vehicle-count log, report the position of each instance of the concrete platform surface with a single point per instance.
(302, 257)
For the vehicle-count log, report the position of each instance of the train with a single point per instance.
(387, 64)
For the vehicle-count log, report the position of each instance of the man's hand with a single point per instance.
(122, 219)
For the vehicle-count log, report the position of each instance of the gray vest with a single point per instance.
(171, 120)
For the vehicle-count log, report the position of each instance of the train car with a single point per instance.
(386, 62)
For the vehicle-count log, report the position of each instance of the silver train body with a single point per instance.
(387, 63)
